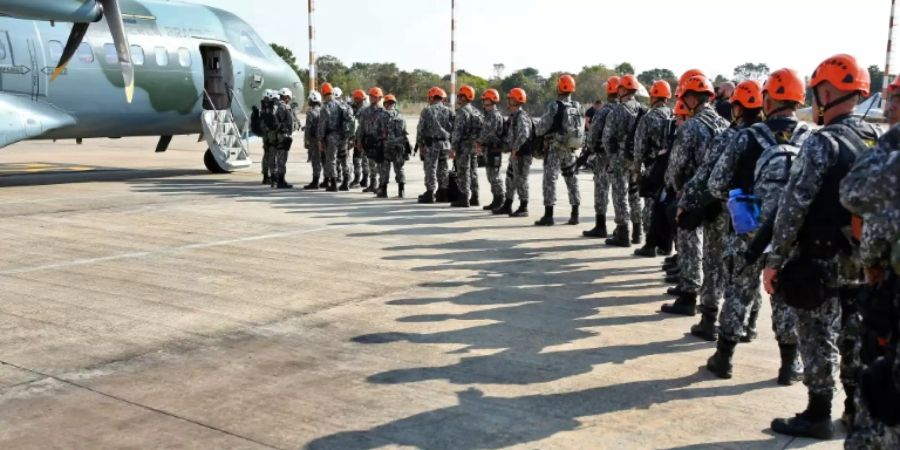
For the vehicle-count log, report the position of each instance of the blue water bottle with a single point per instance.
(744, 210)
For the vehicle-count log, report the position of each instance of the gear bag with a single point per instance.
(570, 118)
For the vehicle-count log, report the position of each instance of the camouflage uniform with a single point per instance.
(336, 127)
(618, 141)
(649, 138)
(559, 157)
(311, 140)
(283, 145)
(818, 329)
(687, 152)
(519, 163)
(601, 158)
(360, 160)
(433, 137)
(369, 137)
(395, 146)
(492, 147)
(466, 128)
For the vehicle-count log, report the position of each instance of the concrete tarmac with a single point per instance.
(148, 304)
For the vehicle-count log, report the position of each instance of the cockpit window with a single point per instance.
(249, 46)
(243, 36)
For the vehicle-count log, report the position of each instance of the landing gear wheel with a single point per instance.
(211, 164)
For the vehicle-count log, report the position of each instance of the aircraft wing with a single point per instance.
(23, 118)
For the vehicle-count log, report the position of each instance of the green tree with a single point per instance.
(750, 71)
(624, 69)
(590, 83)
(647, 77)
(330, 68)
(877, 76)
(287, 55)
(719, 79)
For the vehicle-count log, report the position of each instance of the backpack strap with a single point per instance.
(767, 140)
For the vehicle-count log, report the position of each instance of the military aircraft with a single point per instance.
(74, 69)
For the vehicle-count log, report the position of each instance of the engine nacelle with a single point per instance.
(82, 11)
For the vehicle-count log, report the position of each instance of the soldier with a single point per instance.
(284, 141)
(344, 155)
(723, 99)
(433, 137)
(758, 161)
(311, 140)
(618, 140)
(808, 261)
(396, 147)
(368, 139)
(601, 159)
(650, 138)
(490, 144)
(360, 161)
(466, 129)
(562, 127)
(519, 133)
(335, 128)
(269, 127)
(687, 152)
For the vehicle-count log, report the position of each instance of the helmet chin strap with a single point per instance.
(820, 111)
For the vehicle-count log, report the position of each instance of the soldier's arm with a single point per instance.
(323, 119)
(521, 130)
(641, 143)
(459, 125)
(723, 171)
(608, 138)
(420, 137)
(807, 174)
(542, 126)
(865, 187)
(675, 171)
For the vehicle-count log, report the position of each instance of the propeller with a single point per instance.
(113, 16)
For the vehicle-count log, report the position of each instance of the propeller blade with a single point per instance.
(75, 38)
(117, 27)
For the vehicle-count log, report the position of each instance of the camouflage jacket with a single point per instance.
(285, 119)
(519, 130)
(598, 124)
(617, 133)
(543, 125)
(466, 127)
(696, 187)
(808, 172)
(691, 142)
(335, 117)
(435, 122)
(650, 136)
(371, 121)
(310, 136)
(491, 136)
(394, 126)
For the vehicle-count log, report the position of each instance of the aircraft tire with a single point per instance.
(211, 164)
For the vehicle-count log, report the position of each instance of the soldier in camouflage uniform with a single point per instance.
(466, 128)
(519, 133)
(618, 141)
(736, 169)
(396, 147)
(284, 141)
(345, 155)
(808, 233)
(562, 127)
(360, 161)
(369, 140)
(267, 124)
(601, 159)
(336, 127)
(649, 139)
(490, 145)
(687, 153)
(311, 140)
(433, 137)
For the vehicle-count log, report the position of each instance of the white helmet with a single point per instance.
(285, 92)
(337, 92)
(271, 94)
(315, 97)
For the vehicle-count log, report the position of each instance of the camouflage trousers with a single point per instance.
(713, 287)
(463, 166)
(517, 171)
(396, 160)
(601, 185)
(360, 165)
(315, 159)
(818, 331)
(495, 162)
(646, 214)
(869, 433)
(334, 147)
(560, 160)
(279, 162)
(626, 204)
(436, 170)
(850, 340)
(473, 172)
(374, 170)
(266, 163)
(688, 245)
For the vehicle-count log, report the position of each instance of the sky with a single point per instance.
(565, 35)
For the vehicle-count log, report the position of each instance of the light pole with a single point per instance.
(452, 53)
(311, 9)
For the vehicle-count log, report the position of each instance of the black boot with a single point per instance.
(355, 183)
(685, 305)
(599, 230)
(505, 208)
(676, 291)
(314, 185)
(462, 202)
(522, 211)
(671, 261)
(401, 190)
(345, 185)
(332, 185)
(664, 251)
(473, 201)
(573, 218)
(427, 197)
(547, 220)
(790, 371)
(266, 179)
(815, 422)
(706, 329)
(441, 196)
(494, 204)
(283, 184)
(750, 335)
(619, 237)
(365, 181)
(636, 234)
(647, 251)
(382, 191)
(720, 363)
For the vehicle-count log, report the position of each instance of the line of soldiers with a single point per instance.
(275, 120)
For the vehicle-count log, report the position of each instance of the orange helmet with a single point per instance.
(785, 85)
(359, 94)
(492, 95)
(390, 98)
(681, 109)
(843, 72)
(468, 92)
(661, 89)
(326, 89)
(436, 92)
(690, 73)
(612, 85)
(518, 95)
(699, 84)
(566, 84)
(629, 82)
(749, 94)
(376, 92)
